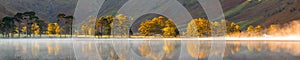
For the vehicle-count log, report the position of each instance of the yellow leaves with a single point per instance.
(258, 30)
(169, 31)
(35, 28)
(236, 28)
(158, 25)
(121, 17)
(158, 21)
(17, 30)
(216, 24)
(90, 31)
(53, 28)
(254, 31)
(24, 28)
(273, 28)
(192, 29)
(250, 30)
(84, 29)
(57, 30)
(200, 26)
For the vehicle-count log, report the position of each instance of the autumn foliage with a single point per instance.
(158, 25)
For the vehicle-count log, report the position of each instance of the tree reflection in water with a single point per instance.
(166, 50)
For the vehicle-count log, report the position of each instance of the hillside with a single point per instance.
(6, 11)
(246, 13)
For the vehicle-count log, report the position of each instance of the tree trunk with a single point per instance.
(7, 34)
(41, 33)
(72, 30)
(19, 34)
(12, 35)
(26, 28)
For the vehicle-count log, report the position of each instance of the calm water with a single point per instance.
(88, 49)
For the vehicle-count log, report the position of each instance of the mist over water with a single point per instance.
(289, 29)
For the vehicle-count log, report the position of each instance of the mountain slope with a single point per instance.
(244, 12)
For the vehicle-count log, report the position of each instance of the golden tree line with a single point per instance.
(27, 23)
(202, 27)
(158, 25)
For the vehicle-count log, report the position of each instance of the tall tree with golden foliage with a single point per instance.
(49, 29)
(35, 29)
(158, 25)
(258, 30)
(192, 29)
(122, 25)
(57, 29)
(169, 29)
(53, 28)
(250, 30)
(199, 26)
(84, 30)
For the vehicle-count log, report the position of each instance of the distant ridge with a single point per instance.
(264, 12)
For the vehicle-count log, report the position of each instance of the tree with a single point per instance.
(250, 30)
(84, 29)
(199, 26)
(99, 26)
(192, 29)
(18, 17)
(122, 25)
(53, 28)
(30, 18)
(103, 25)
(50, 28)
(258, 30)
(24, 29)
(9, 25)
(35, 29)
(145, 27)
(60, 16)
(236, 30)
(169, 29)
(69, 24)
(158, 25)
(204, 28)
(57, 29)
(215, 28)
(2, 27)
(61, 22)
(42, 26)
(273, 29)
(230, 28)
(108, 24)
